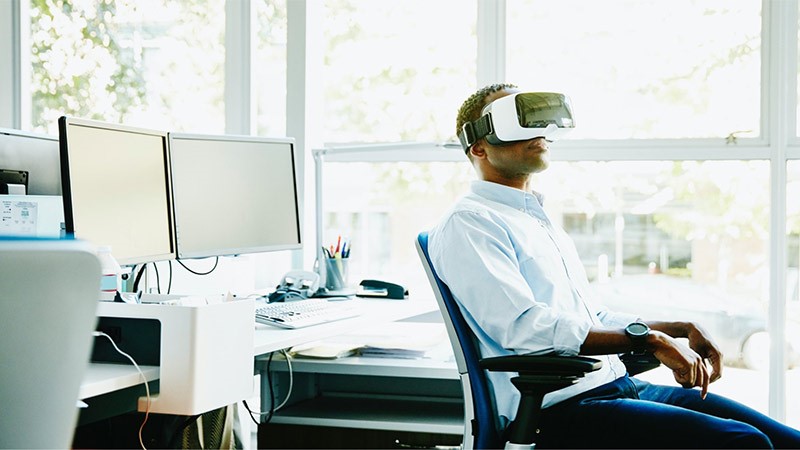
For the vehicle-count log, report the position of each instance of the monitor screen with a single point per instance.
(234, 194)
(116, 188)
(34, 154)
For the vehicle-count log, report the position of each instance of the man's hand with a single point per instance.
(701, 343)
(687, 361)
(687, 365)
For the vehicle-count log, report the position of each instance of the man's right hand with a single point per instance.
(687, 366)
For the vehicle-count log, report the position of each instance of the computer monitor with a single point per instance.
(234, 194)
(34, 154)
(116, 188)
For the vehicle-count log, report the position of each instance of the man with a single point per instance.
(522, 289)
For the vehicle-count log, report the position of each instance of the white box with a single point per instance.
(206, 353)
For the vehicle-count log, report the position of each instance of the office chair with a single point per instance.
(537, 375)
(48, 298)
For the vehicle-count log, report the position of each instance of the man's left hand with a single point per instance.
(700, 341)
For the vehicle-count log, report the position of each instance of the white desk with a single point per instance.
(105, 378)
(401, 410)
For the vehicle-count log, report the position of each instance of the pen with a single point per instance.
(338, 259)
(338, 244)
(344, 249)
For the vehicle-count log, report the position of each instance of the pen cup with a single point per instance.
(336, 273)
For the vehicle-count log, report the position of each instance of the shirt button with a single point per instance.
(522, 209)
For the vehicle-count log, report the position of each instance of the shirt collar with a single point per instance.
(513, 197)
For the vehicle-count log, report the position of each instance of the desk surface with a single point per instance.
(269, 339)
(105, 378)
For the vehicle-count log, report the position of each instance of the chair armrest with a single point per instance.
(542, 364)
(636, 364)
(538, 375)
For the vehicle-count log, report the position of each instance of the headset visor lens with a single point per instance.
(540, 109)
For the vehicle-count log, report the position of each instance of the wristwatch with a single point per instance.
(637, 332)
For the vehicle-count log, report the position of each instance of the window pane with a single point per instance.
(154, 63)
(269, 67)
(792, 288)
(797, 111)
(677, 241)
(381, 207)
(696, 230)
(643, 68)
(396, 71)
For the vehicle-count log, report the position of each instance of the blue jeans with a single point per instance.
(630, 413)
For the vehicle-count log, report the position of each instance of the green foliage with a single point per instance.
(79, 67)
(419, 181)
(385, 79)
(680, 89)
(725, 202)
(682, 272)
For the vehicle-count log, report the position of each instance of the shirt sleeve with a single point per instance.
(475, 257)
(612, 319)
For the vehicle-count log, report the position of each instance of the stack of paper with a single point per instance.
(403, 340)
(403, 353)
(324, 350)
(392, 340)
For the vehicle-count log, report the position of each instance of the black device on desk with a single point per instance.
(10, 178)
(381, 289)
(295, 285)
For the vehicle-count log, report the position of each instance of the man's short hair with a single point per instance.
(471, 108)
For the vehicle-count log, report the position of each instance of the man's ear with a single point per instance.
(477, 151)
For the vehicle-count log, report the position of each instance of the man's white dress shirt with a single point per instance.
(520, 284)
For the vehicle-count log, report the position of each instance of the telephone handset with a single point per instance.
(296, 285)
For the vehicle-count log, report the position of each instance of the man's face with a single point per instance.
(518, 158)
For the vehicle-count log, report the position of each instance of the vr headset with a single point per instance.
(520, 117)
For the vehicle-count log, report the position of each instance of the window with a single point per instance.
(643, 68)
(393, 71)
(793, 283)
(699, 228)
(380, 208)
(682, 240)
(157, 63)
(269, 66)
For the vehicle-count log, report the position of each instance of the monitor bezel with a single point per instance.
(64, 122)
(242, 250)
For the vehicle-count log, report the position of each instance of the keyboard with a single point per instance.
(304, 313)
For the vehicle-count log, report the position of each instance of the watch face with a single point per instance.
(638, 329)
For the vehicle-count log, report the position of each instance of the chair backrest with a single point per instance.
(479, 410)
(48, 300)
